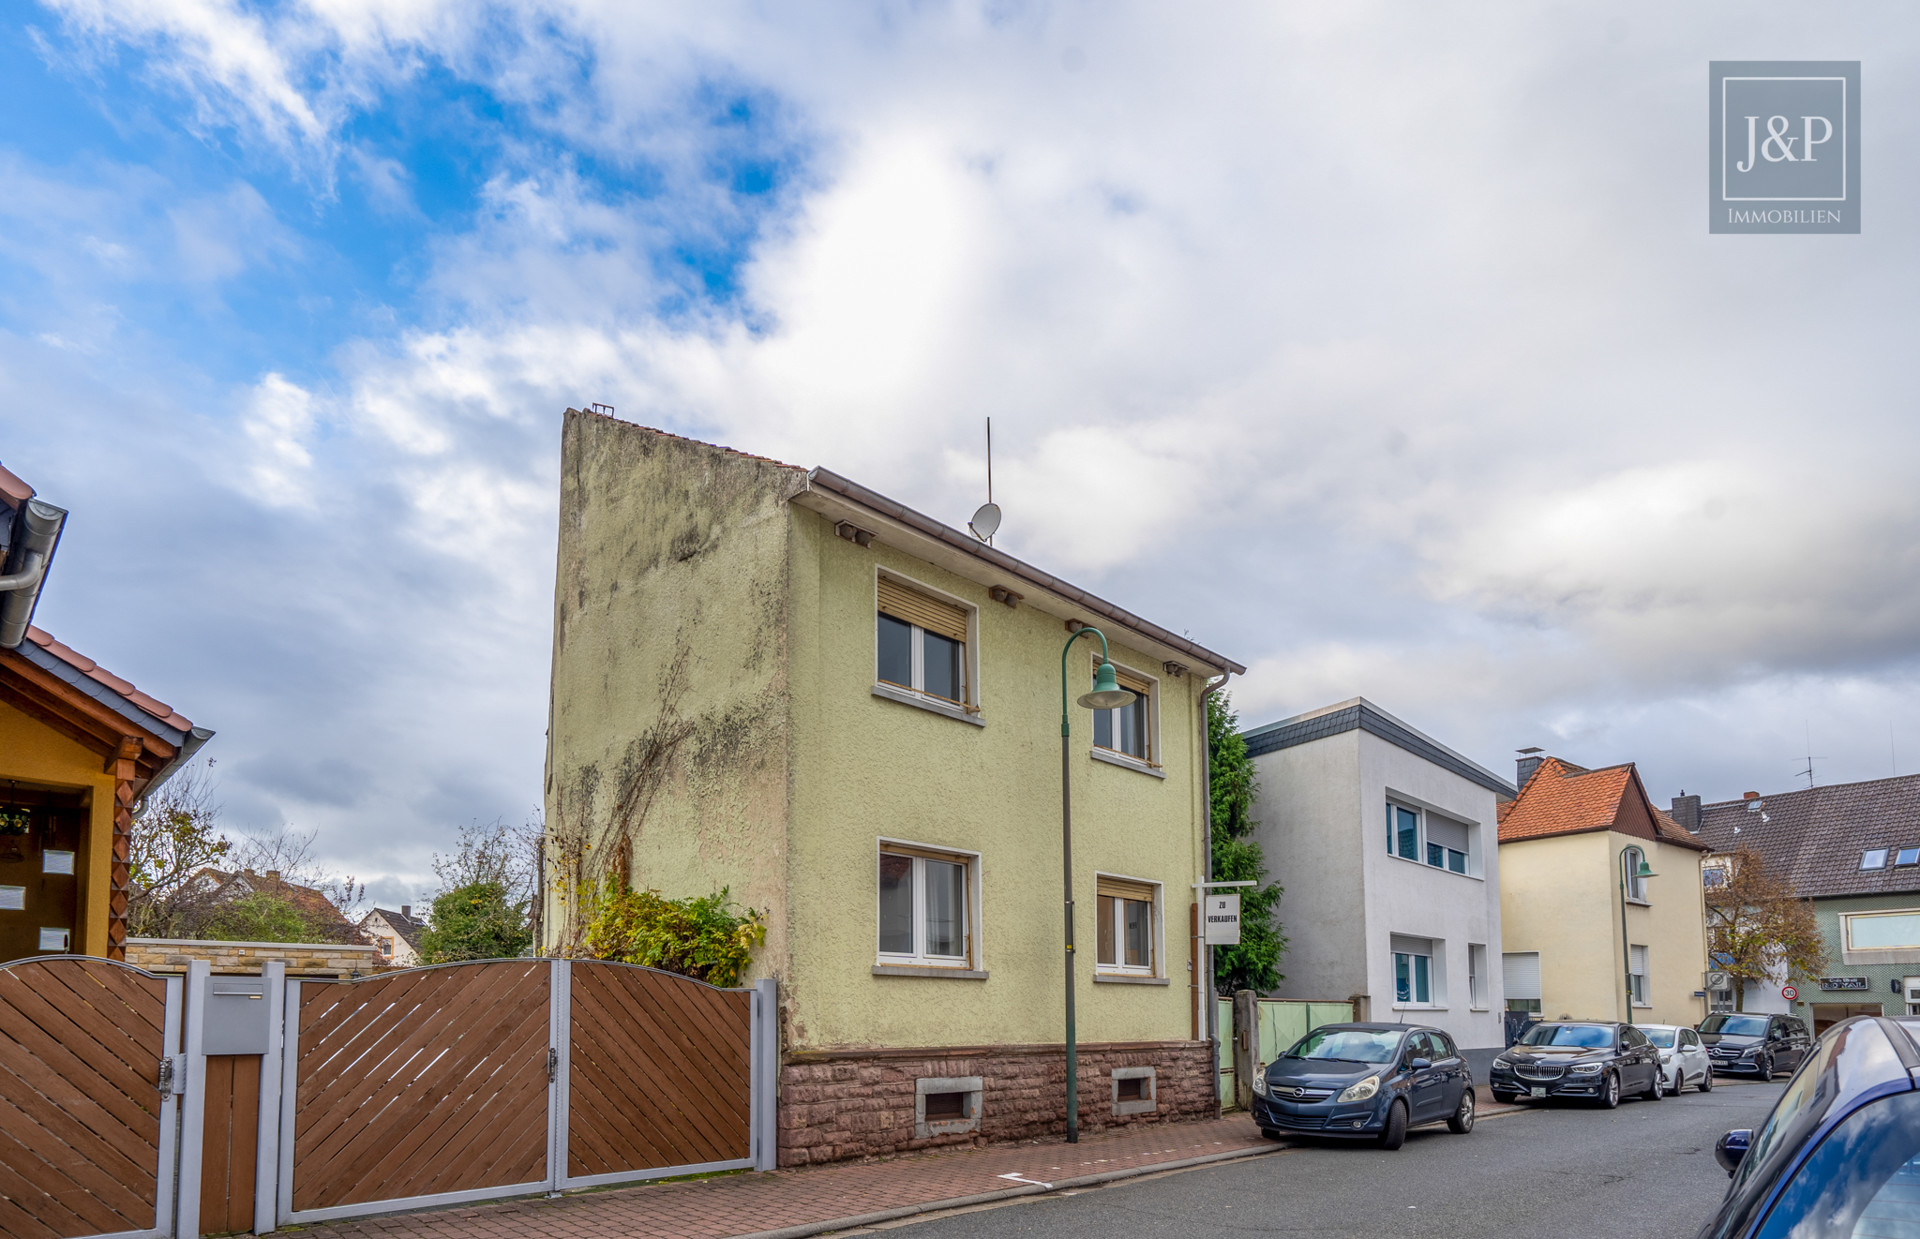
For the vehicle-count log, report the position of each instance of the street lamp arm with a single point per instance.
(1064, 651)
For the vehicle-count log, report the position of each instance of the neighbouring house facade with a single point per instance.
(79, 748)
(1384, 840)
(395, 935)
(774, 681)
(1565, 843)
(1854, 850)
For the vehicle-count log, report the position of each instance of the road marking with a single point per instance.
(1020, 1178)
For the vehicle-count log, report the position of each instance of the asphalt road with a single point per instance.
(1644, 1171)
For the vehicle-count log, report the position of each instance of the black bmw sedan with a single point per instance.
(1839, 1156)
(1592, 1061)
(1368, 1080)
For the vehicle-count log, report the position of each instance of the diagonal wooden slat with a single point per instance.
(660, 1071)
(80, 1041)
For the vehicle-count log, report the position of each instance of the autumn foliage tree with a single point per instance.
(1756, 929)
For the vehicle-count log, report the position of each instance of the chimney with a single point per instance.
(273, 875)
(1528, 762)
(1686, 811)
(406, 909)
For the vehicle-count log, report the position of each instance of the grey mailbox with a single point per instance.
(236, 1015)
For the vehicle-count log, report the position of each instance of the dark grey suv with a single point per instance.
(1754, 1044)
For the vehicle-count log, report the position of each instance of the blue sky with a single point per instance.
(1399, 334)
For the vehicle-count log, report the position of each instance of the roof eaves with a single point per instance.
(853, 492)
(1358, 712)
(172, 728)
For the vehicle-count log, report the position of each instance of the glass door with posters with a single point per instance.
(40, 866)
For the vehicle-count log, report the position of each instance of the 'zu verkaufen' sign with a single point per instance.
(1785, 142)
(1220, 920)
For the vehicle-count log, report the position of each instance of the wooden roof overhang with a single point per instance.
(93, 716)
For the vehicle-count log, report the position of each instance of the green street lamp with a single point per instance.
(1626, 951)
(1106, 695)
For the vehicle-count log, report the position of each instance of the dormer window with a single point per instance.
(1873, 858)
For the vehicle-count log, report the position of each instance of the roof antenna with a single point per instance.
(1807, 774)
(987, 519)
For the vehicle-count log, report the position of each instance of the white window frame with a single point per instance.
(1436, 957)
(1119, 757)
(919, 854)
(1155, 932)
(1419, 856)
(1846, 929)
(1633, 858)
(1643, 979)
(916, 694)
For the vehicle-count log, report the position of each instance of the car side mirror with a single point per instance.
(1731, 1148)
(1420, 1064)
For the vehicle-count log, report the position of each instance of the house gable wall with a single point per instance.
(672, 571)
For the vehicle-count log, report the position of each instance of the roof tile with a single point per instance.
(1814, 837)
(100, 675)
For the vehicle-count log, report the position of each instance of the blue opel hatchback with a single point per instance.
(1839, 1156)
(1367, 1080)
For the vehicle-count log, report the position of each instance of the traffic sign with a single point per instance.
(1789, 993)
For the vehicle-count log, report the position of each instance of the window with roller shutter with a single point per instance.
(1129, 729)
(921, 642)
(1124, 927)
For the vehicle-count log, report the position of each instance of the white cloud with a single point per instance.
(278, 425)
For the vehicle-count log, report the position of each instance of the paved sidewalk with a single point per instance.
(786, 1204)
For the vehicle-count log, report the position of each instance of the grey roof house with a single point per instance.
(1854, 849)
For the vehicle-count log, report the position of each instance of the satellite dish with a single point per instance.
(985, 521)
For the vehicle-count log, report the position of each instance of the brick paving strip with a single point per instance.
(790, 1204)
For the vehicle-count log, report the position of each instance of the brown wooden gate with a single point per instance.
(85, 1126)
(419, 1086)
(657, 1073)
(229, 1144)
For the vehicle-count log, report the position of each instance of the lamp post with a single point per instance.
(1106, 695)
(1626, 951)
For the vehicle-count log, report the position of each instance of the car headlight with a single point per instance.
(1588, 1069)
(1666, 1056)
(1361, 1091)
(1502, 1064)
(1260, 1083)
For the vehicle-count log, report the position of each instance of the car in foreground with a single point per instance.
(1590, 1060)
(1372, 1081)
(1753, 1044)
(1839, 1155)
(1683, 1058)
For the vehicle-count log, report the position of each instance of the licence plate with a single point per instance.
(1537, 1091)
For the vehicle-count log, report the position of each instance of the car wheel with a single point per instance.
(1765, 1069)
(1610, 1092)
(1394, 1134)
(1657, 1087)
(1462, 1121)
(1706, 1081)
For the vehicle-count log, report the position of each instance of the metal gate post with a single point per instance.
(559, 1070)
(289, 1048)
(170, 1090)
(193, 1114)
(266, 1165)
(764, 1074)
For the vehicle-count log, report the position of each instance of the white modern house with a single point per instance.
(1387, 843)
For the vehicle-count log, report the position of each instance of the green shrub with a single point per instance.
(475, 921)
(706, 937)
(259, 917)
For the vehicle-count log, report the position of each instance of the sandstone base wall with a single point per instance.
(838, 1104)
(304, 959)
